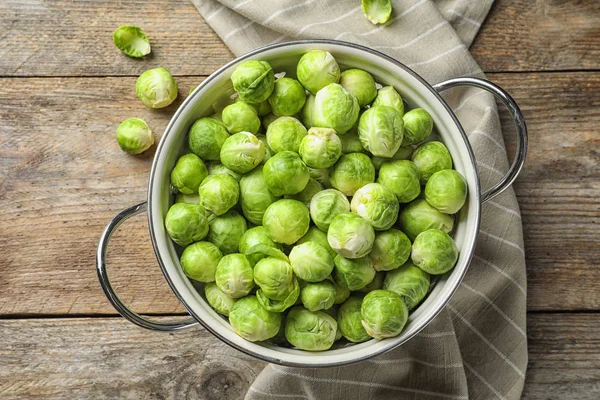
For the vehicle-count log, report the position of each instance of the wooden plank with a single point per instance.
(109, 358)
(63, 177)
(62, 38)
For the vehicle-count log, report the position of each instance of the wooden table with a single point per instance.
(64, 88)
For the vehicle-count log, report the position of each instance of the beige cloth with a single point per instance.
(477, 347)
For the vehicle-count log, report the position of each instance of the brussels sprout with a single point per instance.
(380, 130)
(314, 234)
(311, 262)
(280, 305)
(206, 138)
(351, 142)
(353, 274)
(377, 11)
(403, 153)
(376, 204)
(188, 173)
(285, 173)
(318, 296)
(187, 198)
(215, 168)
(383, 313)
(275, 278)
(285, 133)
(308, 330)
(320, 175)
(132, 41)
(234, 275)
(218, 193)
(361, 84)
(252, 321)
(199, 261)
(134, 136)
(326, 205)
(263, 108)
(286, 221)
(376, 283)
(350, 235)
(268, 151)
(434, 251)
(335, 108)
(305, 196)
(252, 237)
(418, 125)
(446, 190)
(321, 148)
(389, 97)
(402, 178)
(253, 80)
(221, 302)
(317, 69)
(307, 111)
(419, 216)
(391, 249)
(332, 312)
(408, 281)
(156, 88)
(255, 196)
(341, 293)
(186, 223)
(226, 231)
(351, 172)
(240, 117)
(349, 321)
(288, 97)
(267, 120)
(242, 152)
(431, 157)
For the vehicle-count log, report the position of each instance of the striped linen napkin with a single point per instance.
(477, 347)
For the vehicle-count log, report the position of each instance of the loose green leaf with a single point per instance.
(132, 41)
(377, 11)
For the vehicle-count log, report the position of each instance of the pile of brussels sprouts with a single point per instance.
(314, 209)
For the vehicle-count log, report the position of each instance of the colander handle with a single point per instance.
(109, 290)
(518, 118)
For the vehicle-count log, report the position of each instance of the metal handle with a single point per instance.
(517, 116)
(107, 287)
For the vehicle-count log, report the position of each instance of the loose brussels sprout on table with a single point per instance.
(134, 136)
(156, 88)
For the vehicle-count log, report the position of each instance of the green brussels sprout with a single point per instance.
(240, 117)
(320, 175)
(199, 261)
(286, 221)
(380, 130)
(187, 198)
(206, 138)
(389, 97)
(376, 204)
(335, 108)
(318, 296)
(326, 205)
(285, 133)
(351, 172)
(332, 312)
(311, 262)
(242, 152)
(252, 237)
(377, 11)
(321, 148)
(226, 231)
(314, 234)
(219, 301)
(268, 151)
(252, 321)
(267, 120)
(391, 249)
(419, 216)
(285, 173)
(263, 108)
(132, 41)
(275, 278)
(349, 321)
(317, 69)
(216, 168)
(408, 281)
(434, 251)
(383, 313)
(280, 305)
(446, 190)
(218, 193)
(255, 196)
(234, 275)
(253, 80)
(403, 153)
(305, 196)
(418, 125)
(431, 157)
(288, 97)
(361, 84)
(353, 274)
(186, 223)
(351, 235)
(307, 111)
(376, 283)
(341, 293)
(156, 88)
(188, 173)
(134, 136)
(351, 142)
(402, 178)
(308, 330)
